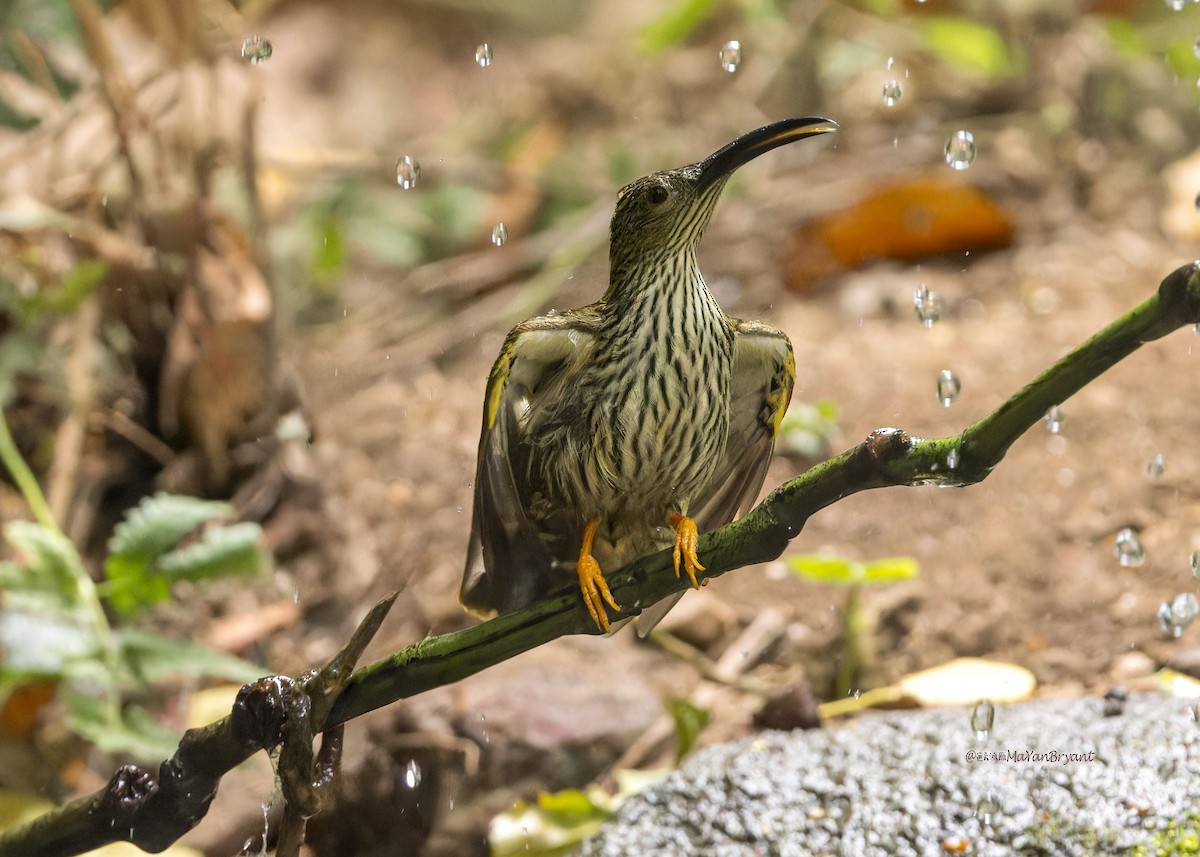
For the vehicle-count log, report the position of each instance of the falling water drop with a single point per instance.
(483, 55)
(1194, 561)
(731, 55)
(952, 458)
(1175, 5)
(1176, 615)
(408, 171)
(988, 809)
(412, 774)
(256, 49)
(1156, 467)
(892, 90)
(1054, 419)
(1128, 549)
(928, 305)
(982, 718)
(499, 234)
(948, 387)
(960, 150)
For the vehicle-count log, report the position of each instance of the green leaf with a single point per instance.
(49, 557)
(134, 732)
(674, 25)
(891, 569)
(969, 45)
(159, 523)
(571, 808)
(149, 657)
(849, 572)
(220, 552)
(690, 720)
(40, 645)
(131, 585)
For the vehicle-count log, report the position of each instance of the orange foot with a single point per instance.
(591, 579)
(686, 536)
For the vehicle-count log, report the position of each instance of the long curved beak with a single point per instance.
(720, 164)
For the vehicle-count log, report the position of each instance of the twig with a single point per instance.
(151, 812)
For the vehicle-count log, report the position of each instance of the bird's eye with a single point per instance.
(657, 195)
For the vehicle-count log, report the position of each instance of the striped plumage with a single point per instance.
(640, 418)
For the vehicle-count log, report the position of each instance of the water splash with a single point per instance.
(1054, 419)
(948, 387)
(892, 90)
(960, 150)
(408, 172)
(1128, 549)
(982, 718)
(256, 50)
(731, 55)
(1175, 616)
(928, 305)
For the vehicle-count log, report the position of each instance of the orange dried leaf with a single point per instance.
(911, 221)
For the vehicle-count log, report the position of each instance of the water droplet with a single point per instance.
(1157, 467)
(948, 387)
(1175, 5)
(988, 809)
(1198, 205)
(1128, 549)
(499, 234)
(1054, 419)
(982, 718)
(952, 458)
(731, 55)
(1194, 561)
(928, 305)
(892, 92)
(412, 774)
(256, 49)
(408, 171)
(1196, 48)
(483, 55)
(960, 150)
(1174, 617)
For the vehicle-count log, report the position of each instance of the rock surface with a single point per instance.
(1061, 779)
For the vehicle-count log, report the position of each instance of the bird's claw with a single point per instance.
(686, 537)
(595, 591)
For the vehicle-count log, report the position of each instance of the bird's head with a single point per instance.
(665, 213)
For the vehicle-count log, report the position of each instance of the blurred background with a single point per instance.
(257, 258)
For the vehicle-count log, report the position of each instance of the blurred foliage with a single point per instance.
(690, 720)
(54, 630)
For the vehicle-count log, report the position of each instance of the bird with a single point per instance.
(636, 422)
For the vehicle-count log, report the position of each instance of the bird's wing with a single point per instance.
(762, 377)
(763, 373)
(509, 562)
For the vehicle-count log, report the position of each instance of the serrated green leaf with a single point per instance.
(42, 644)
(690, 720)
(50, 557)
(159, 523)
(149, 657)
(134, 732)
(969, 45)
(220, 552)
(131, 585)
